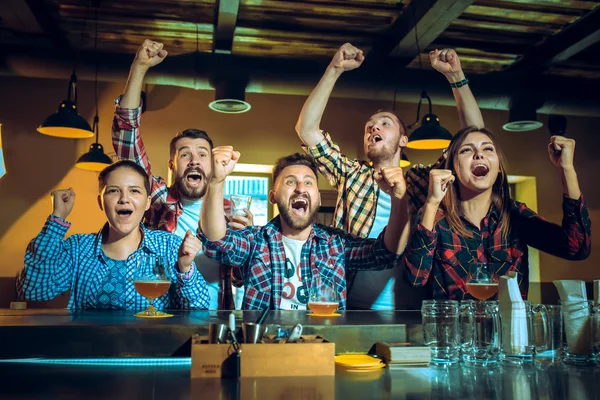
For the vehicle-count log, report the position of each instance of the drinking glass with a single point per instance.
(152, 280)
(518, 333)
(555, 339)
(482, 334)
(441, 330)
(322, 297)
(482, 282)
(238, 203)
(579, 320)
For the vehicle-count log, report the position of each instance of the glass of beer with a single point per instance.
(482, 281)
(322, 298)
(152, 280)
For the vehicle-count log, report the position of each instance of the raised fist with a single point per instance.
(149, 54)
(347, 58)
(62, 202)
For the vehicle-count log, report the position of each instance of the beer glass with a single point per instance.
(152, 280)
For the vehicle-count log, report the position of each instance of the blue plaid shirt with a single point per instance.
(259, 253)
(54, 265)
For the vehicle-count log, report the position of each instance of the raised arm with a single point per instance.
(126, 138)
(391, 180)
(446, 62)
(190, 290)
(572, 240)
(421, 247)
(212, 223)
(49, 262)
(308, 126)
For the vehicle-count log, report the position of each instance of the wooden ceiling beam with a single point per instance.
(226, 15)
(49, 26)
(17, 16)
(575, 38)
(431, 19)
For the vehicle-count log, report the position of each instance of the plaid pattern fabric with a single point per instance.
(357, 190)
(54, 265)
(441, 257)
(259, 253)
(165, 207)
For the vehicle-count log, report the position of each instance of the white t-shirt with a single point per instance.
(208, 268)
(295, 293)
(375, 289)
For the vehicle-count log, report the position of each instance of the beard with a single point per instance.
(387, 151)
(192, 193)
(294, 221)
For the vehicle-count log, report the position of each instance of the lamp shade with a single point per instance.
(95, 159)
(430, 135)
(66, 123)
(404, 162)
(230, 98)
(522, 118)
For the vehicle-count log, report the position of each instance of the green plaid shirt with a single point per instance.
(357, 190)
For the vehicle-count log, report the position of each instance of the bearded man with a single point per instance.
(280, 261)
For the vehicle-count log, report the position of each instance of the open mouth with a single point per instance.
(194, 178)
(300, 206)
(373, 140)
(480, 170)
(124, 213)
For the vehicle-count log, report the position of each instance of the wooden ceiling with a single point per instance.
(554, 37)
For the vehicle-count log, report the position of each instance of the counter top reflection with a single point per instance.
(547, 381)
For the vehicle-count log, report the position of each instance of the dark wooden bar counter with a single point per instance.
(64, 334)
(48, 354)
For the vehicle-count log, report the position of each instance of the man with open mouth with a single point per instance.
(174, 208)
(362, 208)
(279, 261)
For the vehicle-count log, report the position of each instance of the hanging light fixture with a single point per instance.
(430, 135)
(66, 122)
(522, 115)
(95, 159)
(404, 161)
(230, 97)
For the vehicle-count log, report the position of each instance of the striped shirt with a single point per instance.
(54, 265)
(166, 205)
(260, 255)
(357, 189)
(441, 257)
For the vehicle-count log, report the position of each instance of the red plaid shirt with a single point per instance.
(259, 253)
(165, 207)
(441, 257)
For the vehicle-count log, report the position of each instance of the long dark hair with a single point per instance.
(500, 192)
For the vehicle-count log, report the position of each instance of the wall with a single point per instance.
(38, 164)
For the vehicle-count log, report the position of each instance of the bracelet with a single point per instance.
(460, 83)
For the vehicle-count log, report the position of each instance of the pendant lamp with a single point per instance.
(430, 135)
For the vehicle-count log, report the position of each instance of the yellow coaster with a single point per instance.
(324, 315)
(158, 315)
(358, 361)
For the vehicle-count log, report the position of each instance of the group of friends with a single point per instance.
(425, 225)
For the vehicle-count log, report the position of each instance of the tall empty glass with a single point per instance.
(518, 333)
(555, 336)
(579, 317)
(483, 340)
(441, 330)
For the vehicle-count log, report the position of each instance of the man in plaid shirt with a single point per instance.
(279, 261)
(176, 208)
(362, 209)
